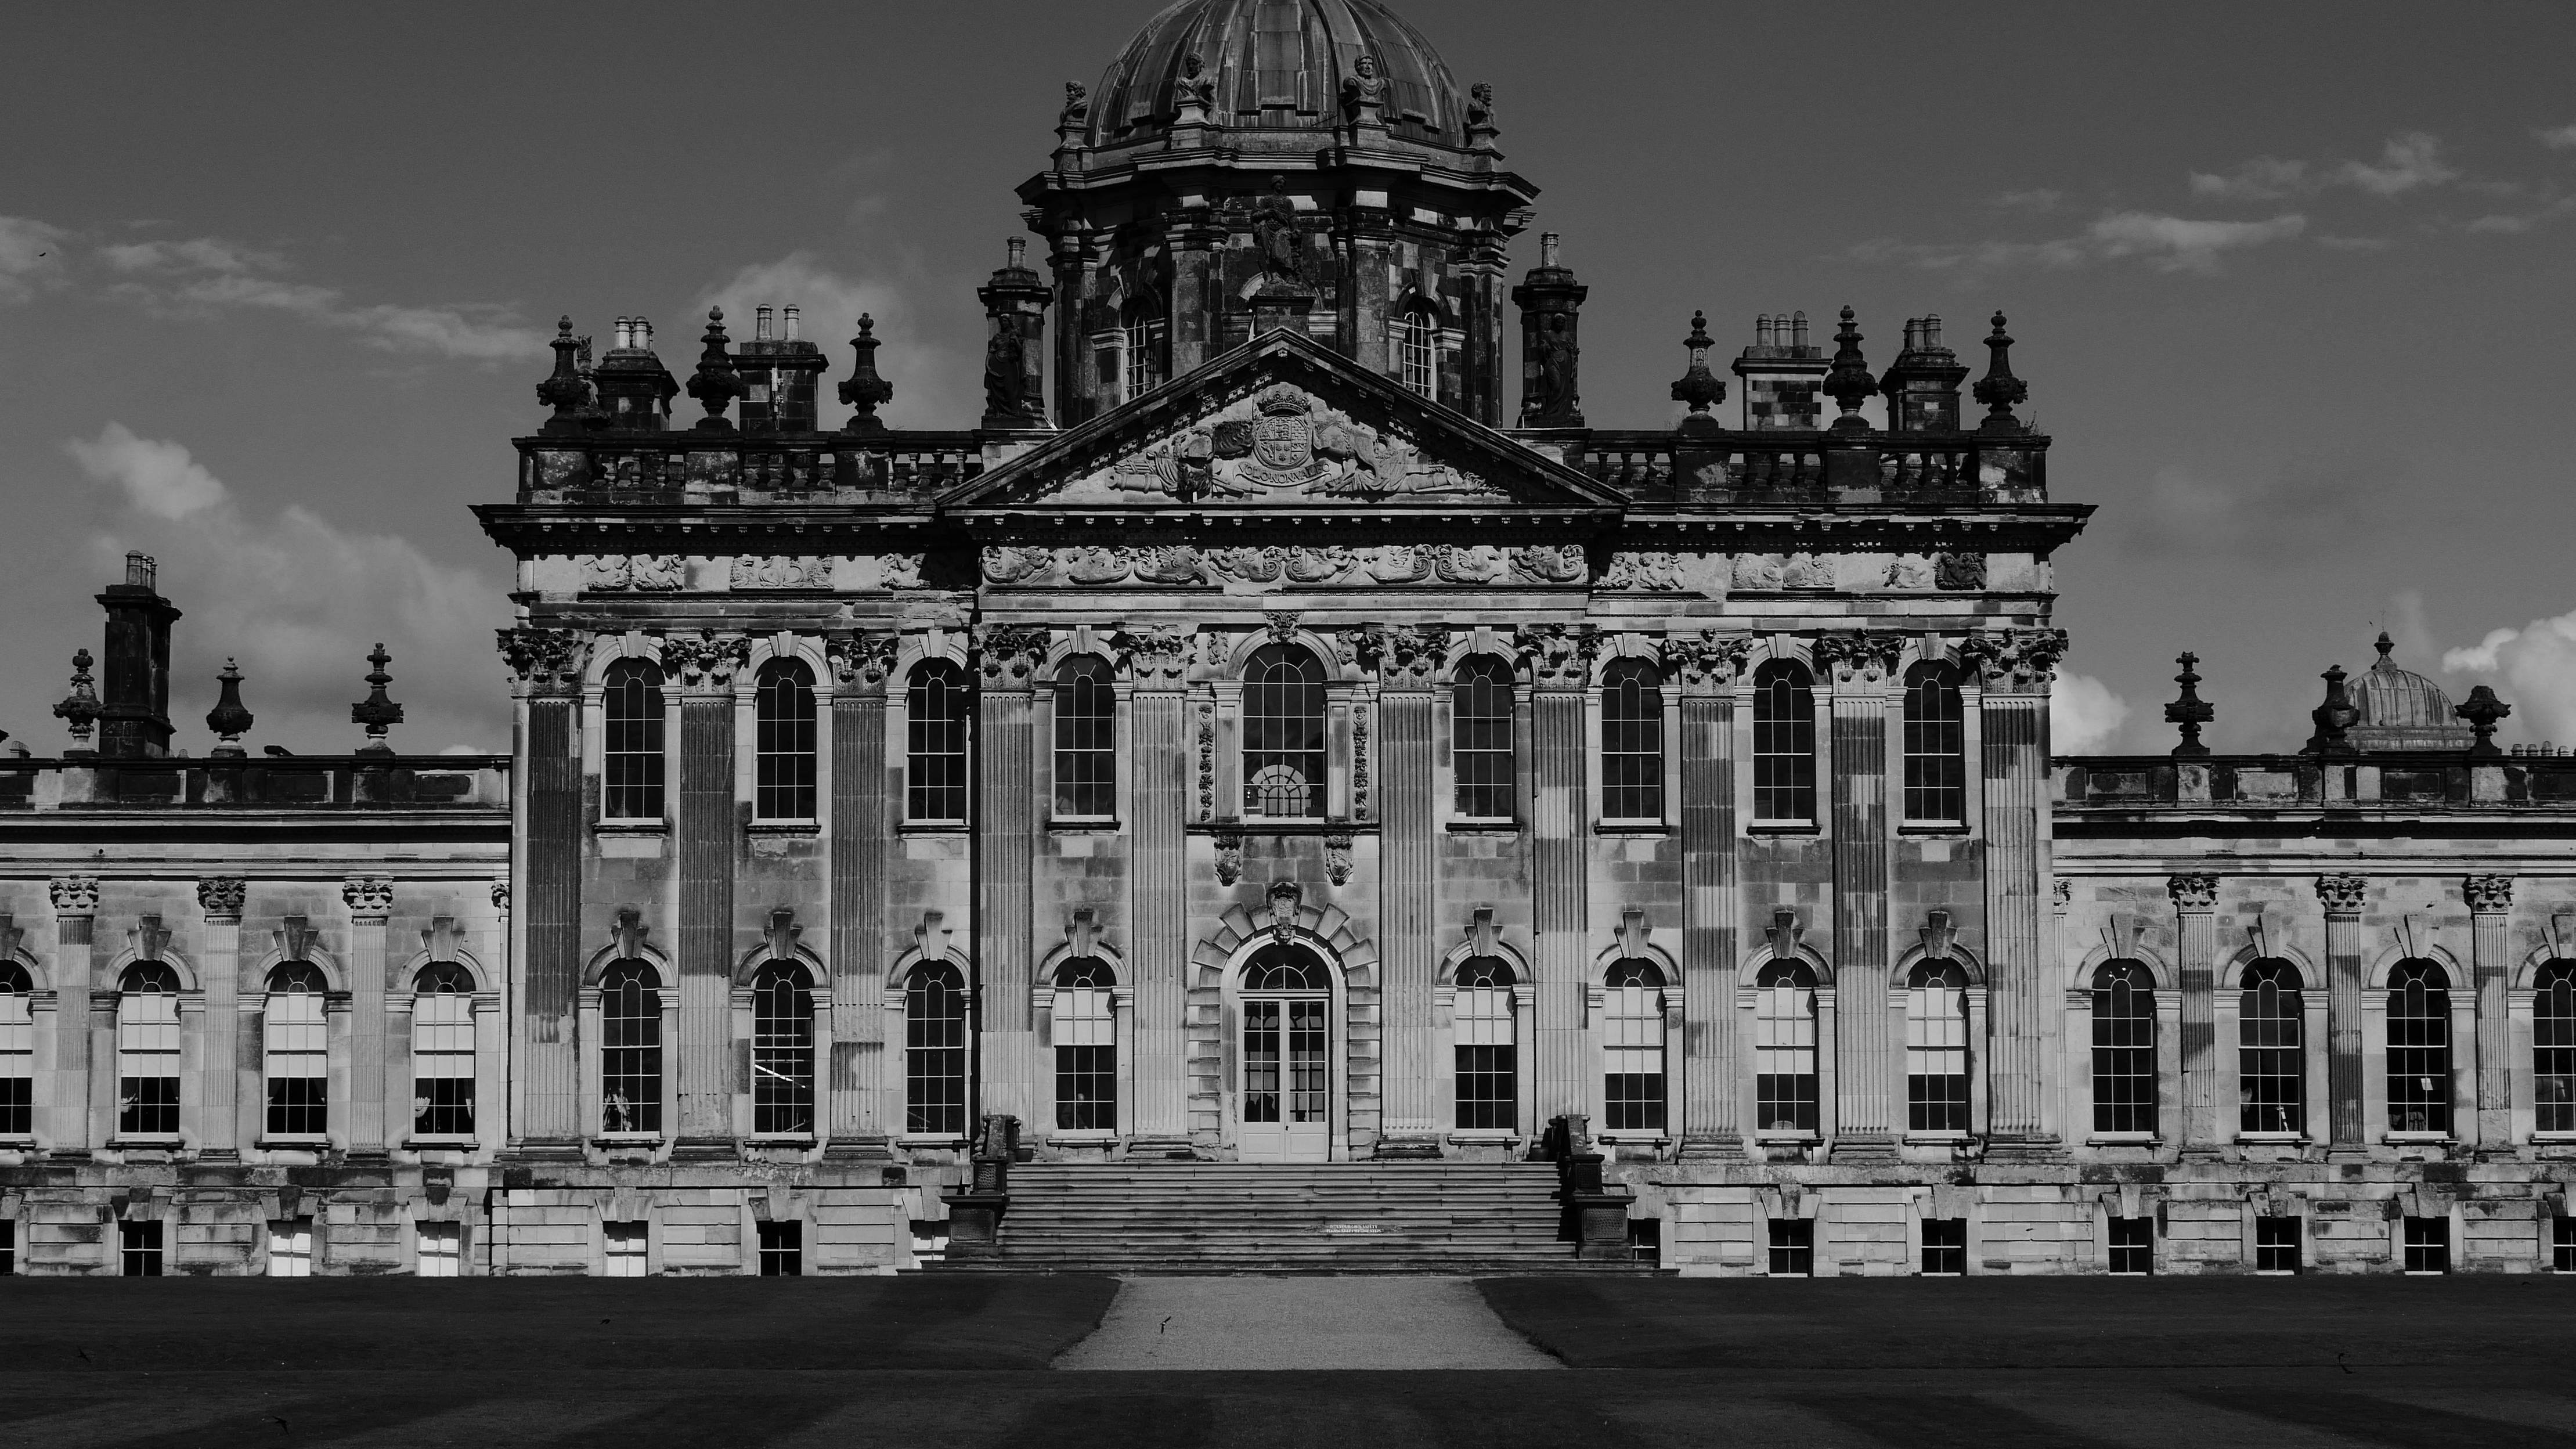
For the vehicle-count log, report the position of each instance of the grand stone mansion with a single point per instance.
(1282, 737)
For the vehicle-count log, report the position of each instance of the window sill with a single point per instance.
(2559, 1138)
(780, 1139)
(2273, 1139)
(1631, 827)
(1787, 1139)
(1084, 1134)
(930, 1139)
(2417, 1139)
(785, 827)
(2123, 1139)
(297, 1141)
(1933, 827)
(633, 827)
(1633, 1139)
(158, 1143)
(932, 827)
(627, 1139)
(1485, 1134)
(1085, 824)
(1782, 827)
(1484, 827)
(443, 1141)
(1934, 1139)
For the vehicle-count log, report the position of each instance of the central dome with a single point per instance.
(1278, 65)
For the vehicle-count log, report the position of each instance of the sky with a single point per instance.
(2288, 281)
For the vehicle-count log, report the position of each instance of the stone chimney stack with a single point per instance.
(1551, 304)
(635, 389)
(134, 706)
(780, 371)
(1784, 376)
(1922, 385)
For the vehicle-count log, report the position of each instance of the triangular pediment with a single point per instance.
(1281, 424)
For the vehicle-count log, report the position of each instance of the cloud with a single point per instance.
(203, 253)
(299, 601)
(2407, 162)
(2506, 223)
(30, 252)
(2036, 202)
(2355, 243)
(2083, 714)
(929, 377)
(2265, 178)
(2556, 138)
(2534, 668)
(2301, 515)
(2179, 244)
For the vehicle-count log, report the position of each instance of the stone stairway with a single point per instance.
(1224, 1217)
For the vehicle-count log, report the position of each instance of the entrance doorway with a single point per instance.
(1287, 1053)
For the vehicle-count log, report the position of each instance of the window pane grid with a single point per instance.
(1936, 1049)
(782, 1050)
(1142, 342)
(1945, 1247)
(1416, 350)
(2133, 1247)
(2553, 1048)
(935, 742)
(934, 1022)
(442, 1044)
(1784, 745)
(1283, 734)
(1936, 759)
(1086, 758)
(2124, 1048)
(2276, 1244)
(2271, 1085)
(784, 762)
(633, 743)
(147, 1042)
(17, 1053)
(630, 1013)
(299, 1053)
(1632, 1049)
(1632, 743)
(2419, 1048)
(1086, 1058)
(1784, 1049)
(1793, 1248)
(629, 1246)
(2428, 1245)
(1480, 750)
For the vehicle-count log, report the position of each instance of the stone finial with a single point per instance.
(376, 712)
(715, 384)
(1848, 381)
(2333, 717)
(80, 708)
(1999, 390)
(1699, 387)
(2190, 711)
(228, 719)
(2482, 710)
(566, 390)
(863, 390)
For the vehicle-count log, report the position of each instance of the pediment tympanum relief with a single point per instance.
(1280, 444)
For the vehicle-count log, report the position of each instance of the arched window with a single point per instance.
(2419, 1047)
(1936, 746)
(442, 1050)
(630, 1048)
(936, 710)
(1784, 745)
(1632, 1047)
(298, 1042)
(2271, 1071)
(1482, 1021)
(1086, 754)
(17, 1051)
(1632, 741)
(1141, 335)
(782, 1049)
(631, 706)
(1283, 733)
(1480, 738)
(783, 714)
(2124, 1048)
(934, 1050)
(1417, 351)
(1285, 968)
(1784, 1047)
(1086, 1046)
(2553, 1047)
(1936, 1047)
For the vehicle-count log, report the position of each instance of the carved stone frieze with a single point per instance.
(545, 661)
(1359, 763)
(1642, 573)
(659, 573)
(1280, 443)
(1912, 572)
(1772, 572)
(781, 571)
(1858, 653)
(1959, 572)
(1471, 564)
(1561, 563)
(2015, 661)
(900, 570)
(1403, 563)
(1707, 660)
(705, 662)
(1007, 565)
(1206, 742)
(1807, 571)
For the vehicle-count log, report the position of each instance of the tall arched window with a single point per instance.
(1283, 733)
(2271, 1070)
(936, 710)
(1417, 351)
(1141, 344)
(2553, 1047)
(631, 709)
(1936, 746)
(2124, 1048)
(1936, 1047)
(1632, 741)
(1086, 754)
(783, 715)
(17, 1051)
(1085, 1024)
(782, 1049)
(1632, 1047)
(630, 1048)
(1480, 738)
(2419, 1047)
(1784, 1048)
(934, 1050)
(442, 1050)
(298, 1042)
(1483, 1024)
(1784, 745)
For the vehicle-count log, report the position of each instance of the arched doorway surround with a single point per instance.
(1220, 988)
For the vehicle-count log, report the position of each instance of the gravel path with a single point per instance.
(1302, 1323)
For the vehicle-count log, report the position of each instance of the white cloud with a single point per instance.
(2407, 162)
(2083, 714)
(2036, 202)
(205, 253)
(299, 601)
(2533, 668)
(2180, 244)
(2556, 138)
(30, 253)
(929, 377)
(2265, 178)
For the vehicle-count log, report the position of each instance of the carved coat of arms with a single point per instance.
(1283, 441)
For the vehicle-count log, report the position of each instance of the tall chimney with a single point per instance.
(134, 705)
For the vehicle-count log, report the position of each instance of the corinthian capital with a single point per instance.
(2342, 895)
(2015, 661)
(1404, 656)
(222, 896)
(860, 661)
(1558, 656)
(369, 898)
(706, 662)
(2195, 893)
(75, 895)
(2489, 894)
(1155, 654)
(1706, 660)
(1008, 655)
(545, 661)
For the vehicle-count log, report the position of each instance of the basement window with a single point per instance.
(2428, 1245)
(782, 1250)
(2133, 1247)
(290, 1248)
(1793, 1248)
(1945, 1247)
(2276, 1245)
(140, 1247)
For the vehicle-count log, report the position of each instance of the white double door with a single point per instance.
(1287, 1079)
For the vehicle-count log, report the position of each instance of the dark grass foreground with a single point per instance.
(1755, 1327)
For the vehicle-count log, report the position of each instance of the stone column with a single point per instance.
(75, 914)
(219, 972)
(1158, 944)
(546, 793)
(705, 831)
(1712, 1072)
(1869, 1105)
(1005, 859)
(1559, 660)
(2017, 668)
(2343, 896)
(2195, 899)
(2490, 897)
(370, 900)
(1407, 661)
(860, 845)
